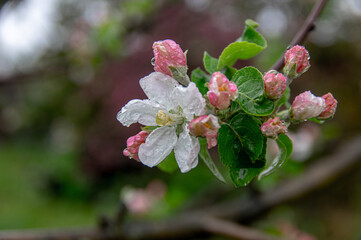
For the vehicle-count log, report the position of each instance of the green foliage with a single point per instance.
(210, 63)
(229, 71)
(207, 159)
(200, 78)
(284, 99)
(251, 92)
(241, 147)
(285, 148)
(169, 164)
(247, 46)
(251, 35)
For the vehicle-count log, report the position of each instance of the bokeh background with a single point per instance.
(68, 66)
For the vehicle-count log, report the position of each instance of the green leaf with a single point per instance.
(204, 155)
(246, 171)
(229, 71)
(169, 164)
(180, 74)
(284, 99)
(210, 63)
(251, 92)
(200, 78)
(237, 50)
(247, 46)
(285, 148)
(318, 121)
(241, 147)
(251, 35)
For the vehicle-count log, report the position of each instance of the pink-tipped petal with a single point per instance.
(221, 91)
(275, 85)
(205, 126)
(306, 106)
(331, 105)
(297, 61)
(273, 127)
(167, 54)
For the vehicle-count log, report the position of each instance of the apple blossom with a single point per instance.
(170, 59)
(205, 126)
(170, 107)
(275, 84)
(273, 127)
(331, 105)
(133, 144)
(221, 91)
(306, 106)
(296, 61)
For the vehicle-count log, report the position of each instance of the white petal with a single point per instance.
(190, 100)
(186, 151)
(159, 87)
(142, 111)
(158, 145)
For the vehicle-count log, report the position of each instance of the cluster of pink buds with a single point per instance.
(170, 59)
(297, 61)
(273, 127)
(221, 91)
(205, 126)
(133, 144)
(275, 84)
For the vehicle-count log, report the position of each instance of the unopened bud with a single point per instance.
(296, 61)
(306, 106)
(205, 126)
(273, 127)
(170, 59)
(331, 105)
(133, 144)
(221, 91)
(275, 84)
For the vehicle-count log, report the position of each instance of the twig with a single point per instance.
(304, 30)
(234, 230)
(322, 172)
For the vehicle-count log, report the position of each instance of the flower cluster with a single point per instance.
(236, 109)
(175, 113)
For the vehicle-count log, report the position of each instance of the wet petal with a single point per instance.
(158, 145)
(186, 151)
(158, 87)
(190, 100)
(142, 111)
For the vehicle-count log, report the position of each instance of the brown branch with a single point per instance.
(317, 175)
(234, 230)
(304, 30)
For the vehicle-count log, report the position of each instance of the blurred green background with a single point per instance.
(67, 67)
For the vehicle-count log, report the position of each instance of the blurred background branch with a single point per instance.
(323, 171)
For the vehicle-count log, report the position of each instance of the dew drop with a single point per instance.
(242, 173)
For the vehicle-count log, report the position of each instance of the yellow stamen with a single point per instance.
(222, 88)
(207, 125)
(163, 119)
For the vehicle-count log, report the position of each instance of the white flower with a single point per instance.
(170, 106)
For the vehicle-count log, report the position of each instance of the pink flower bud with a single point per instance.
(331, 105)
(296, 61)
(275, 84)
(221, 91)
(167, 54)
(133, 144)
(306, 105)
(273, 127)
(205, 126)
